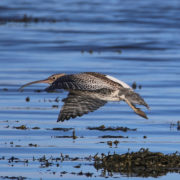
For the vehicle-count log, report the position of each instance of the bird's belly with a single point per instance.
(111, 99)
(104, 95)
(113, 96)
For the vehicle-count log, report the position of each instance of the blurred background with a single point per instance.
(134, 41)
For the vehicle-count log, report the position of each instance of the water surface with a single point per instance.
(133, 41)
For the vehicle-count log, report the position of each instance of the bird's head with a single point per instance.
(49, 80)
(52, 78)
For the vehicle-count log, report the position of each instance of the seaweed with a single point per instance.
(139, 164)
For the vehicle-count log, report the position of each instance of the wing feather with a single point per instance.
(78, 105)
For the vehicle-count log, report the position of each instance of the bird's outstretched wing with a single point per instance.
(78, 105)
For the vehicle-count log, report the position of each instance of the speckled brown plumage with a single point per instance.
(89, 91)
(88, 81)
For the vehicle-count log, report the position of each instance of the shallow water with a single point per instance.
(133, 41)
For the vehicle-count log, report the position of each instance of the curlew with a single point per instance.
(96, 86)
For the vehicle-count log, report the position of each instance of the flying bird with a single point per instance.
(88, 88)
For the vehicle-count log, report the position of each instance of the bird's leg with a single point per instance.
(136, 110)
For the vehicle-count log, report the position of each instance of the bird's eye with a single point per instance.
(54, 77)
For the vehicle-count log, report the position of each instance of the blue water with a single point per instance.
(135, 41)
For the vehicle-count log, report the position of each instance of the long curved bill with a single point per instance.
(34, 82)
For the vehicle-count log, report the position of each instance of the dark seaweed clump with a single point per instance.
(134, 86)
(22, 127)
(103, 128)
(27, 19)
(27, 99)
(13, 177)
(60, 129)
(139, 164)
(109, 136)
